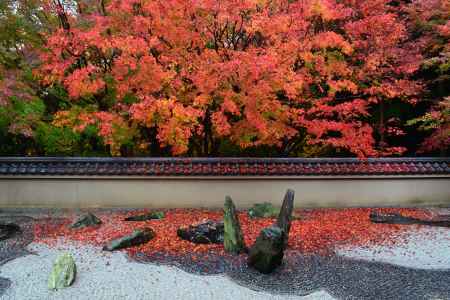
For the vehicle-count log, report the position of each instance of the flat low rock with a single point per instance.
(86, 220)
(138, 237)
(154, 215)
(209, 232)
(263, 210)
(404, 220)
(267, 252)
(8, 230)
(63, 273)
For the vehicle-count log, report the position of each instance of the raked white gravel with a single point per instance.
(424, 248)
(104, 275)
(112, 276)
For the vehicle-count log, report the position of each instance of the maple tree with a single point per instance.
(188, 74)
(201, 78)
(431, 21)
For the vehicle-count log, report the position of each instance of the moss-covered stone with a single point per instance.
(86, 220)
(263, 210)
(233, 241)
(138, 237)
(203, 233)
(154, 215)
(63, 273)
(267, 252)
(285, 217)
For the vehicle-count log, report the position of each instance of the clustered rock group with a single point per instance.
(265, 255)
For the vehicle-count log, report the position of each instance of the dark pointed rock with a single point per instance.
(203, 233)
(138, 237)
(233, 238)
(285, 217)
(263, 210)
(403, 220)
(86, 220)
(154, 215)
(8, 230)
(266, 254)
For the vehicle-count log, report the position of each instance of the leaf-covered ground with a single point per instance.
(314, 232)
(313, 262)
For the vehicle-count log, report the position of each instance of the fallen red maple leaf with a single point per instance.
(317, 232)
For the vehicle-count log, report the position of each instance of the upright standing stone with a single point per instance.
(233, 238)
(267, 252)
(285, 216)
(63, 272)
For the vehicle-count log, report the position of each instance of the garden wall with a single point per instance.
(110, 182)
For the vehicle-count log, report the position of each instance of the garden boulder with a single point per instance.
(233, 237)
(86, 220)
(63, 273)
(263, 210)
(395, 218)
(138, 237)
(284, 219)
(8, 230)
(203, 233)
(266, 254)
(154, 215)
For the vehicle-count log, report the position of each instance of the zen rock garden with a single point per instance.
(261, 248)
(265, 255)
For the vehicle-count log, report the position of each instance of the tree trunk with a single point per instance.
(381, 128)
(154, 144)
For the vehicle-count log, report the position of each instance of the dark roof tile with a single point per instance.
(13, 166)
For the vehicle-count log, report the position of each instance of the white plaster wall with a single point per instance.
(208, 192)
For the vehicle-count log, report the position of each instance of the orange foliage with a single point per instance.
(256, 72)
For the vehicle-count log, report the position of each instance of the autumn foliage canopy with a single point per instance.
(187, 75)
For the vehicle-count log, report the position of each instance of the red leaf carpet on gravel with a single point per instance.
(316, 232)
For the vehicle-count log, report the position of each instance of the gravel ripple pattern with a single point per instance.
(347, 274)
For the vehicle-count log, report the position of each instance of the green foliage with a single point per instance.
(425, 122)
(21, 25)
(57, 141)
